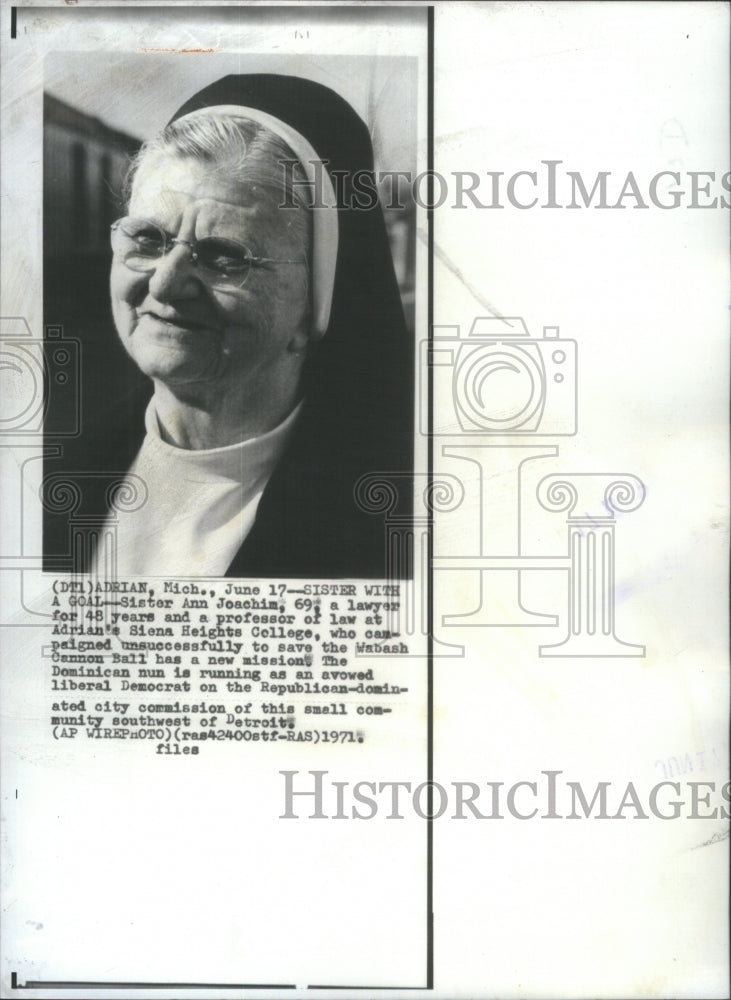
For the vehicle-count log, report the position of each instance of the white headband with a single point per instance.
(324, 211)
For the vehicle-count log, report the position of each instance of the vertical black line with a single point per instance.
(430, 526)
(13, 21)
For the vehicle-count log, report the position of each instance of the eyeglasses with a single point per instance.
(222, 263)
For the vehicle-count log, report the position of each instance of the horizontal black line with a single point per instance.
(83, 985)
(34, 984)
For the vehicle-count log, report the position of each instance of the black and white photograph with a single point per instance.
(364, 394)
(247, 408)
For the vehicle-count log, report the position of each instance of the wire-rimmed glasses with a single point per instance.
(222, 262)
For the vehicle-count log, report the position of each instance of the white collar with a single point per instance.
(246, 462)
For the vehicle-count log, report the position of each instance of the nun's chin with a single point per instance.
(177, 356)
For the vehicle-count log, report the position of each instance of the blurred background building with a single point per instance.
(85, 162)
(84, 165)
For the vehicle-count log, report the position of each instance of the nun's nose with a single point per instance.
(174, 274)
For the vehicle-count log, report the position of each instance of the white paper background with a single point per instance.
(202, 881)
(628, 908)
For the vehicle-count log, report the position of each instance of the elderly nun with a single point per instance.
(258, 297)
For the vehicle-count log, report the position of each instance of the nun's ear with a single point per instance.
(308, 338)
(305, 337)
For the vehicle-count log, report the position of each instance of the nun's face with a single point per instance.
(182, 328)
